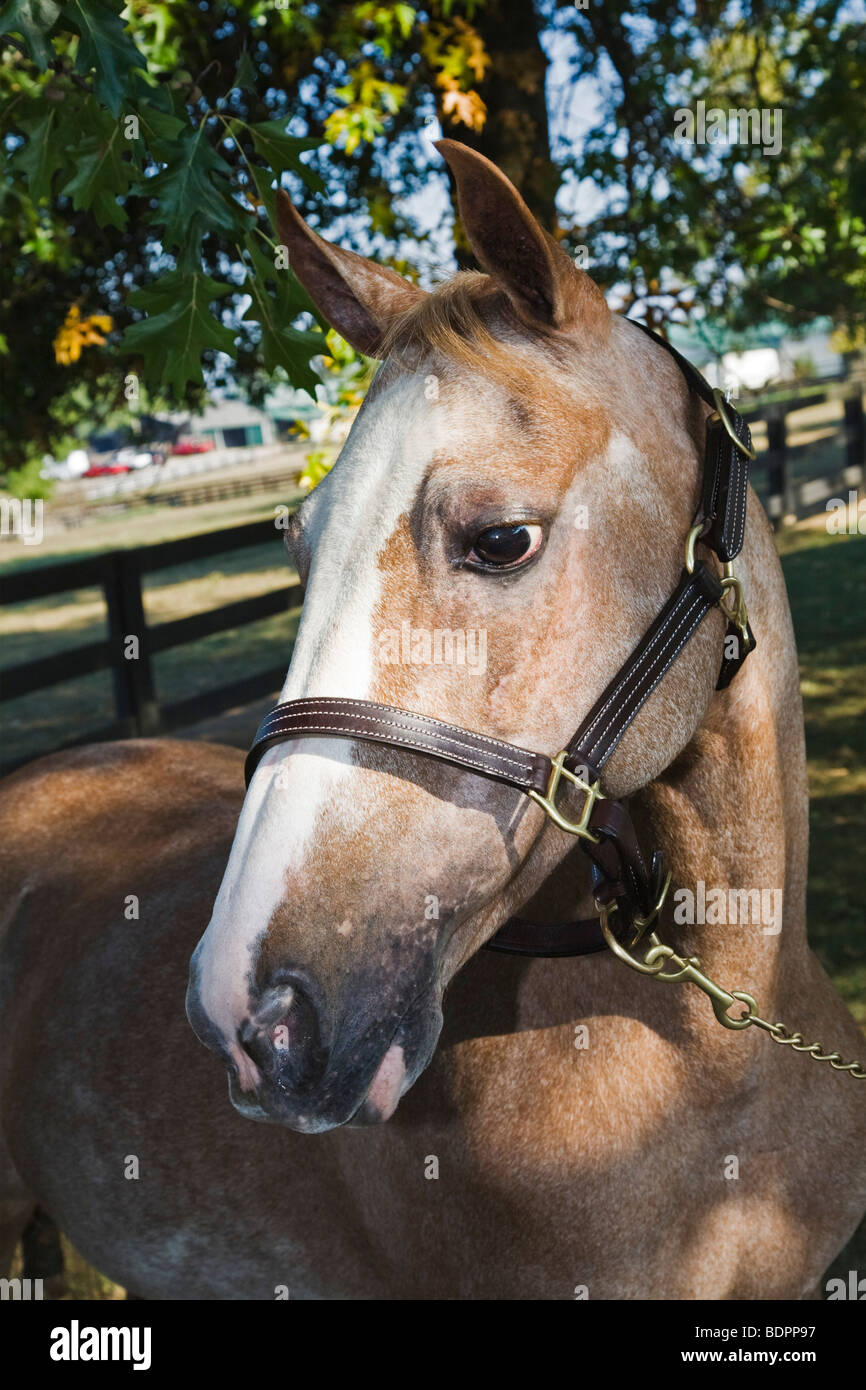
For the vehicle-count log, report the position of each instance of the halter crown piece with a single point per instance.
(623, 877)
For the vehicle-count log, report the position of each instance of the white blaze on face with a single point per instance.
(350, 517)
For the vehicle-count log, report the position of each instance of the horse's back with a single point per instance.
(77, 824)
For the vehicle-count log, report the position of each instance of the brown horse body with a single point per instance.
(578, 1129)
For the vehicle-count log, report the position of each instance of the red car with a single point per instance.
(193, 446)
(103, 470)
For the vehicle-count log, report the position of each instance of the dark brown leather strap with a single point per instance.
(741, 649)
(522, 937)
(624, 697)
(726, 468)
(726, 484)
(328, 716)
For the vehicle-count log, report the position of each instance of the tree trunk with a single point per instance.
(515, 134)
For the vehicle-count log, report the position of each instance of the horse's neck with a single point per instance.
(731, 817)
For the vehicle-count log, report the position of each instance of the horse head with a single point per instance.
(502, 525)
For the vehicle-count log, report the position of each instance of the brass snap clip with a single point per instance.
(639, 923)
(735, 610)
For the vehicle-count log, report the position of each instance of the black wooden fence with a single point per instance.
(119, 574)
(785, 495)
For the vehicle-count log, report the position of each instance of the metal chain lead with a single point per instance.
(688, 969)
(779, 1033)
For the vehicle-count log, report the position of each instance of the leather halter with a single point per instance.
(621, 873)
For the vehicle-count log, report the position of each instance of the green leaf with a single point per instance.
(405, 17)
(245, 77)
(262, 181)
(101, 176)
(281, 151)
(159, 125)
(41, 156)
(281, 344)
(104, 45)
(32, 19)
(179, 327)
(192, 194)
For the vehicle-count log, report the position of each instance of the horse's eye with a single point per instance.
(505, 546)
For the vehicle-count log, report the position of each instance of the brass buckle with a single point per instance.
(722, 411)
(547, 802)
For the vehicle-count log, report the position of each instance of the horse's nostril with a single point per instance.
(273, 1006)
(284, 1034)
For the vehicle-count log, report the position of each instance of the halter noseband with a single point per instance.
(621, 874)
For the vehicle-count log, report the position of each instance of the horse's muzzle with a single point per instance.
(290, 1064)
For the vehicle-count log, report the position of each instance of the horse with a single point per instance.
(436, 1120)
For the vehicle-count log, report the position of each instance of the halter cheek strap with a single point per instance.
(622, 874)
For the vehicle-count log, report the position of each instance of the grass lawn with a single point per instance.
(826, 579)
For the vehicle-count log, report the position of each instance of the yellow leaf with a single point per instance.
(77, 333)
(465, 108)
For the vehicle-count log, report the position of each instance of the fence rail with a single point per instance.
(119, 574)
(71, 514)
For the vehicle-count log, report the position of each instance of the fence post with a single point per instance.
(855, 432)
(778, 501)
(134, 691)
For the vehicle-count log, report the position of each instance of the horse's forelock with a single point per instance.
(467, 321)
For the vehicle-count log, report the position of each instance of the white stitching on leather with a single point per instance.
(743, 480)
(699, 617)
(334, 701)
(697, 599)
(279, 725)
(648, 654)
(410, 743)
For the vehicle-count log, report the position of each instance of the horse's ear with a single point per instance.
(541, 280)
(357, 297)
